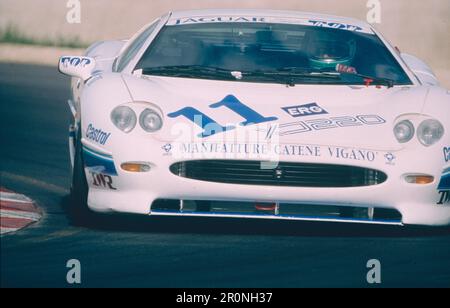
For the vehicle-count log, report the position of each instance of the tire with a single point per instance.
(78, 208)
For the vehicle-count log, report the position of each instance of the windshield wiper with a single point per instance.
(190, 70)
(367, 79)
(288, 78)
(285, 75)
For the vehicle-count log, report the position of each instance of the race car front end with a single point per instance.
(285, 167)
(414, 195)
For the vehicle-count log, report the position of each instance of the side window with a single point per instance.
(131, 51)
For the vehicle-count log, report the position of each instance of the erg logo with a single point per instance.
(305, 110)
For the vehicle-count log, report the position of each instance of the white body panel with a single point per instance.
(370, 143)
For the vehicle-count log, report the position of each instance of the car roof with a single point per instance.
(176, 15)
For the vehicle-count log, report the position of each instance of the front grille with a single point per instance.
(285, 174)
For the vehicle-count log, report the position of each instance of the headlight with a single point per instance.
(124, 118)
(430, 132)
(404, 131)
(150, 120)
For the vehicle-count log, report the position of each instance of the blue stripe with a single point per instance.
(444, 184)
(99, 164)
(97, 152)
(97, 155)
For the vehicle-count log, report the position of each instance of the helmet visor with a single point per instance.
(329, 50)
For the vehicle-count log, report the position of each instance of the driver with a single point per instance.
(326, 50)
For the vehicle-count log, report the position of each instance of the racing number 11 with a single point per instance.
(211, 127)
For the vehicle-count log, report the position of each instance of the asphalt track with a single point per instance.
(130, 251)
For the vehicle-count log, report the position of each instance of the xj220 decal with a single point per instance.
(329, 123)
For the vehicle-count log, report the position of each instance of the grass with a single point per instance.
(12, 35)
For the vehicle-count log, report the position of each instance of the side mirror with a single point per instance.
(421, 69)
(80, 67)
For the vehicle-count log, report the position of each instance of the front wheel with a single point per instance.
(78, 208)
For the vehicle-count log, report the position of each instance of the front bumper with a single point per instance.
(136, 192)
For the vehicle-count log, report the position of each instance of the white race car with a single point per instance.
(259, 114)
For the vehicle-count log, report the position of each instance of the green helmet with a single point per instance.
(327, 53)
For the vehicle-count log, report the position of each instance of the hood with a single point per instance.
(354, 116)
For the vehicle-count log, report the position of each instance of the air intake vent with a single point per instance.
(285, 174)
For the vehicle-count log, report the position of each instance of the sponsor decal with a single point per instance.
(259, 150)
(444, 197)
(267, 19)
(444, 187)
(98, 162)
(352, 154)
(390, 158)
(97, 135)
(447, 154)
(297, 150)
(167, 148)
(444, 183)
(102, 181)
(75, 61)
(300, 127)
(304, 110)
(211, 127)
(335, 25)
(214, 19)
(223, 148)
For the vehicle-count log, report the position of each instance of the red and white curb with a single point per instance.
(16, 211)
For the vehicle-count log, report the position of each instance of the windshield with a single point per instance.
(256, 49)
